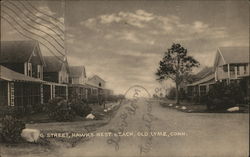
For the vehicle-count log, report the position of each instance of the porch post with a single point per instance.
(54, 91)
(66, 92)
(199, 90)
(86, 93)
(50, 91)
(207, 88)
(8, 92)
(235, 71)
(228, 70)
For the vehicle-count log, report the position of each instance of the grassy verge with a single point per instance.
(190, 107)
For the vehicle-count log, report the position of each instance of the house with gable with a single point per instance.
(77, 80)
(97, 87)
(56, 75)
(21, 73)
(231, 64)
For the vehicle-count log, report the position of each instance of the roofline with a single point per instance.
(81, 66)
(97, 76)
(221, 55)
(40, 53)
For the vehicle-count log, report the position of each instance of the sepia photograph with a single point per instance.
(124, 78)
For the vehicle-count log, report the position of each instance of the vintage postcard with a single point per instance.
(124, 78)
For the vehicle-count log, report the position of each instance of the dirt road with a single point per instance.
(174, 133)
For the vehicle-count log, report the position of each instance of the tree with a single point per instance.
(176, 65)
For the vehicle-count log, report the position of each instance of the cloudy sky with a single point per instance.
(123, 41)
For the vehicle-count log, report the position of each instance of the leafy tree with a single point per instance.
(176, 65)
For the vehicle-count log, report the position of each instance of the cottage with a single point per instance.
(21, 73)
(203, 81)
(96, 81)
(96, 87)
(56, 75)
(77, 79)
(232, 65)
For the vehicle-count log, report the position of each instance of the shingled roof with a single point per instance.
(234, 54)
(76, 71)
(18, 51)
(53, 64)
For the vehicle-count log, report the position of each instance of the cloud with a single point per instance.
(106, 19)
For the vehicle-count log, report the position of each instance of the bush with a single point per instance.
(80, 107)
(60, 110)
(92, 99)
(11, 129)
(172, 93)
(38, 108)
(223, 96)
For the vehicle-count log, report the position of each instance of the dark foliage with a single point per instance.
(11, 129)
(172, 93)
(176, 65)
(223, 96)
(59, 109)
(80, 107)
(92, 99)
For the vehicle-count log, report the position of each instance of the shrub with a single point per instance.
(60, 110)
(11, 129)
(223, 96)
(38, 108)
(172, 93)
(80, 107)
(92, 99)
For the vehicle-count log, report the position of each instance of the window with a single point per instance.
(225, 68)
(238, 70)
(29, 69)
(232, 70)
(203, 90)
(245, 69)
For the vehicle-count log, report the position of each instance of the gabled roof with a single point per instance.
(53, 64)
(18, 51)
(234, 54)
(10, 75)
(208, 79)
(96, 76)
(76, 71)
(203, 76)
(203, 73)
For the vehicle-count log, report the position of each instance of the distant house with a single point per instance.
(56, 75)
(96, 81)
(77, 75)
(97, 87)
(21, 73)
(77, 79)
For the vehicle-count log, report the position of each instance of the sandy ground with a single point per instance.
(183, 134)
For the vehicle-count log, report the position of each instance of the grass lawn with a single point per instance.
(187, 106)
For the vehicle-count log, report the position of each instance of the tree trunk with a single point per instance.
(177, 94)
